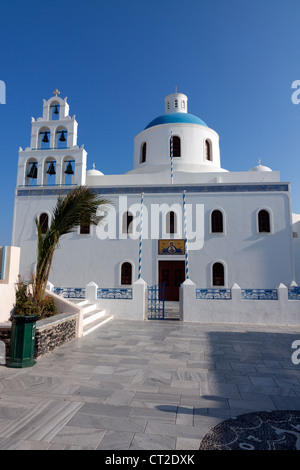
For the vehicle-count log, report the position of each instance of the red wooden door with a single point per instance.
(172, 274)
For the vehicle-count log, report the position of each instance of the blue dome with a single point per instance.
(176, 117)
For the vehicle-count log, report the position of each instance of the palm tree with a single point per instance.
(79, 206)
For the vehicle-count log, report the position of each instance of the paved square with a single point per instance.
(147, 385)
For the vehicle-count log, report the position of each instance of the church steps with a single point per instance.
(93, 325)
(92, 316)
(172, 311)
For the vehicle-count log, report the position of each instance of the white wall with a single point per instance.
(236, 310)
(8, 284)
(252, 260)
(129, 309)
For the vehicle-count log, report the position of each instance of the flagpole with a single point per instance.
(141, 236)
(185, 238)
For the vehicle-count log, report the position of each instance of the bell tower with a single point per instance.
(53, 158)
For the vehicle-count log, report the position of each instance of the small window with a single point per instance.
(218, 274)
(127, 222)
(85, 229)
(208, 153)
(168, 104)
(264, 221)
(126, 273)
(143, 152)
(44, 222)
(183, 104)
(176, 103)
(217, 221)
(176, 146)
(171, 222)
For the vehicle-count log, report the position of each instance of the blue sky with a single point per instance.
(116, 60)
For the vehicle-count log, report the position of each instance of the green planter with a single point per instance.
(21, 350)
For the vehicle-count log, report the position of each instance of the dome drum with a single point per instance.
(193, 140)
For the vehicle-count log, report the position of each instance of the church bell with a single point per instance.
(45, 138)
(69, 169)
(33, 171)
(55, 110)
(51, 169)
(62, 136)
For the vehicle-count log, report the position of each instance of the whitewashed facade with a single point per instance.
(228, 228)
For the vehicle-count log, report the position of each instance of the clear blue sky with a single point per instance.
(116, 60)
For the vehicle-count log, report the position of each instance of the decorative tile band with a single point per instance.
(217, 188)
(294, 293)
(114, 293)
(259, 294)
(70, 292)
(213, 294)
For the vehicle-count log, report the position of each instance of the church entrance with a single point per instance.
(172, 274)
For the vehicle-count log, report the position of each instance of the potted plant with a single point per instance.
(27, 311)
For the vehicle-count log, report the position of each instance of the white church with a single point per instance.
(225, 244)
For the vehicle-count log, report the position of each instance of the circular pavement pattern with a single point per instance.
(264, 430)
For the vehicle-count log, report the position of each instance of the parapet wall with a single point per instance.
(279, 306)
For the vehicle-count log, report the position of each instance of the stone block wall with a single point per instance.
(51, 333)
(54, 332)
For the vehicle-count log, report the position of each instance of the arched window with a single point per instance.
(143, 152)
(44, 222)
(208, 152)
(176, 146)
(126, 273)
(216, 221)
(264, 221)
(171, 222)
(127, 222)
(218, 274)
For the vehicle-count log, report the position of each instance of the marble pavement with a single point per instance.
(147, 385)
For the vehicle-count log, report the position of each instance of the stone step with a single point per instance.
(90, 308)
(172, 316)
(96, 323)
(92, 315)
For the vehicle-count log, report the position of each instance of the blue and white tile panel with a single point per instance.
(259, 294)
(294, 293)
(114, 293)
(213, 294)
(70, 292)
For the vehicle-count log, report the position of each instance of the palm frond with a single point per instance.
(79, 206)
